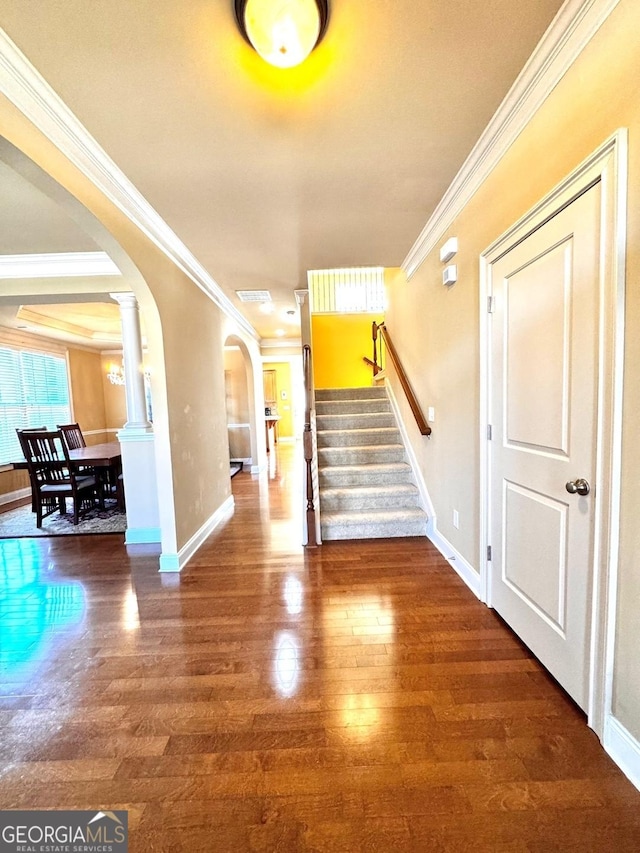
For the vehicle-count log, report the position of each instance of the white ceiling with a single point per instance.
(74, 310)
(267, 173)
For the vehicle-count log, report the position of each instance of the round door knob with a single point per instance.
(578, 487)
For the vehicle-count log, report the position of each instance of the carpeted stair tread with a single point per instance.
(354, 420)
(396, 515)
(361, 455)
(370, 392)
(366, 485)
(374, 524)
(339, 407)
(368, 473)
(402, 495)
(358, 437)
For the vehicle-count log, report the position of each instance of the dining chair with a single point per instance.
(74, 440)
(72, 435)
(24, 453)
(53, 478)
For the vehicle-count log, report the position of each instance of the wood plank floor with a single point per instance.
(353, 698)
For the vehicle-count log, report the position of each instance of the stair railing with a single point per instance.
(307, 443)
(378, 362)
(381, 330)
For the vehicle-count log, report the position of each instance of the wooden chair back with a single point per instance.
(47, 455)
(53, 478)
(72, 435)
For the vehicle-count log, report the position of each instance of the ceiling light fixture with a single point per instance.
(115, 374)
(283, 32)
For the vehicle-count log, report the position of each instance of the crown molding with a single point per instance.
(25, 87)
(45, 321)
(568, 34)
(58, 265)
(280, 343)
(21, 338)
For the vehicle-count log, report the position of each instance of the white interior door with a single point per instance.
(543, 380)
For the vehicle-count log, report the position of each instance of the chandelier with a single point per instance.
(115, 374)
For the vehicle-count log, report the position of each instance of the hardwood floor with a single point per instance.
(352, 698)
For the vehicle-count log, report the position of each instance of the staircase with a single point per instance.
(366, 485)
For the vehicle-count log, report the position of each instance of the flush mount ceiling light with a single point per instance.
(283, 32)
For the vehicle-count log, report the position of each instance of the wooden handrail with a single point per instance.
(423, 426)
(307, 443)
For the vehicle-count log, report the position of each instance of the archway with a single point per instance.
(147, 522)
(245, 402)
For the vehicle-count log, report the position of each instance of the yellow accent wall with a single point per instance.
(339, 343)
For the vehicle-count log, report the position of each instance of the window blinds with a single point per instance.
(347, 291)
(34, 392)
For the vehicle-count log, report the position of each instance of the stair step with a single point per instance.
(361, 498)
(366, 486)
(358, 437)
(355, 420)
(338, 407)
(368, 393)
(336, 476)
(375, 524)
(376, 453)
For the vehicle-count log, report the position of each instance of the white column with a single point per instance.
(136, 437)
(133, 364)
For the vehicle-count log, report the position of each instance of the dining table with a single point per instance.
(271, 421)
(105, 455)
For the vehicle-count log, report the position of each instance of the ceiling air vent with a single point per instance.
(253, 295)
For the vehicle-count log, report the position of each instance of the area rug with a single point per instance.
(21, 522)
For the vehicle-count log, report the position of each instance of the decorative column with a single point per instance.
(133, 364)
(136, 437)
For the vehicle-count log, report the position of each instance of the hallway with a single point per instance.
(352, 698)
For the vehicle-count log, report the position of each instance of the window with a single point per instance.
(352, 290)
(34, 392)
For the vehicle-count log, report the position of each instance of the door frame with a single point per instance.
(607, 165)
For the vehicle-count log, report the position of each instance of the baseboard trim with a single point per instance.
(17, 495)
(462, 567)
(142, 535)
(623, 748)
(177, 562)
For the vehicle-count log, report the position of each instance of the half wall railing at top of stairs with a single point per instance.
(379, 332)
(307, 442)
(378, 351)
